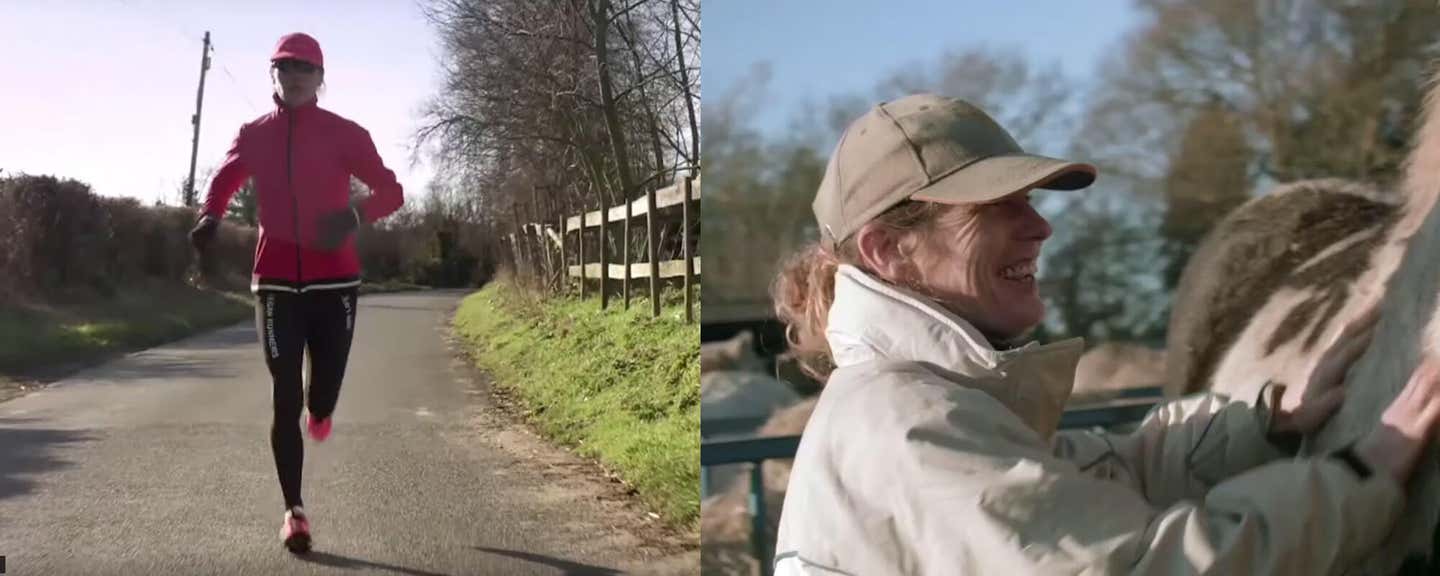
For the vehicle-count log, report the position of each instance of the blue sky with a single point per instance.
(102, 90)
(819, 48)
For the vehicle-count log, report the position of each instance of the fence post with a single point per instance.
(545, 261)
(604, 255)
(527, 240)
(683, 184)
(651, 231)
(564, 262)
(625, 249)
(582, 250)
(507, 246)
(530, 252)
(519, 241)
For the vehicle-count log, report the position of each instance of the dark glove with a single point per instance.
(336, 226)
(204, 232)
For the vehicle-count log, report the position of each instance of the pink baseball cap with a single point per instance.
(299, 46)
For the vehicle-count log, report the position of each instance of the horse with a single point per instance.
(1283, 273)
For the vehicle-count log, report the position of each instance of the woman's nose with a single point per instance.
(1036, 226)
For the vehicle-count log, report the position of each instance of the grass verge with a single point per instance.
(39, 337)
(618, 386)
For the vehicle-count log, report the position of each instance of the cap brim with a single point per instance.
(293, 56)
(999, 176)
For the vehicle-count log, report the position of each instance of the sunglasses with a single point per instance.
(293, 66)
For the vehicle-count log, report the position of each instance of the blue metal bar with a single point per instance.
(1106, 416)
(722, 426)
(758, 450)
(1154, 392)
(758, 537)
(715, 453)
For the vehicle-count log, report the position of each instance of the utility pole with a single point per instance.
(195, 120)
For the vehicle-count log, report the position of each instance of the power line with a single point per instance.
(236, 84)
(151, 16)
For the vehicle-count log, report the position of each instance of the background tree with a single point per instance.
(243, 206)
(556, 107)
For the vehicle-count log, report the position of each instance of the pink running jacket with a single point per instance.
(301, 160)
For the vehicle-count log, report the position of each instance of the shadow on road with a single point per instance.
(242, 334)
(337, 561)
(154, 366)
(30, 452)
(570, 568)
(174, 359)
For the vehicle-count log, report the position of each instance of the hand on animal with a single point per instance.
(1335, 360)
(1305, 409)
(335, 226)
(1407, 425)
(1342, 351)
(1307, 415)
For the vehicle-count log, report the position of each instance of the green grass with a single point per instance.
(38, 336)
(619, 386)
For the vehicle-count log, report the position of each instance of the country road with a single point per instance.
(159, 463)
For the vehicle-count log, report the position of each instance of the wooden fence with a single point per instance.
(547, 249)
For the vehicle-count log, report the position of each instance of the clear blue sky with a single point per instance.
(102, 90)
(819, 48)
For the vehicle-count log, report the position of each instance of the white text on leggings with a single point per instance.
(270, 326)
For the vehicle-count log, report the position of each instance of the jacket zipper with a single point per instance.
(290, 183)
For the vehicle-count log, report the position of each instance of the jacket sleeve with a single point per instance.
(232, 174)
(980, 502)
(364, 162)
(1180, 450)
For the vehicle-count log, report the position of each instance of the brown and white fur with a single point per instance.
(1239, 323)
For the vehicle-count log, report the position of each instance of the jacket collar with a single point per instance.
(874, 320)
(306, 108)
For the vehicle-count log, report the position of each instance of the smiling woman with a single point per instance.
(933, 447)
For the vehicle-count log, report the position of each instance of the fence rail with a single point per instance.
(1127, 407)
(668, 269)
(548, 247)
(664, 198)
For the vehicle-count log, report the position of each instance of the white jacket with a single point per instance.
(929, 452)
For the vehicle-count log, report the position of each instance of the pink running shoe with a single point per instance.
(295, 532)
(319, 428)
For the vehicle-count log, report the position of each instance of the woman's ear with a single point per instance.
(880, 252)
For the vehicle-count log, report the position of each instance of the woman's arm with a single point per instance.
(1180, 450)
(364, 162)
(232, 173)
(980, 505)
(1184, 447)
(1312, 516)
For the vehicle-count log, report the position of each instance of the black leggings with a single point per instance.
(290, 324)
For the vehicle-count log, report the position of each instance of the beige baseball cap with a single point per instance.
(931, 148)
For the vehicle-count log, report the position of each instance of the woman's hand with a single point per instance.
(204, 232)
(1305, 410)
(1343, 350)
(1407, 425)
(336, 226)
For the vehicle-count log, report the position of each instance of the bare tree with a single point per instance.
(555, 107)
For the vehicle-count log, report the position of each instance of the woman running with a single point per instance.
(306, 272)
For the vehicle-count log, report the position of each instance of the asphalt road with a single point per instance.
(159, 463)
